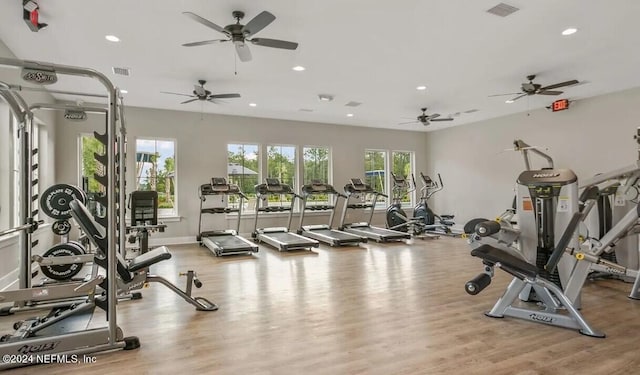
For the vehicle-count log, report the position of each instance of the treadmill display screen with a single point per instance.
(218, 181)
(272, 181)
(356, 182)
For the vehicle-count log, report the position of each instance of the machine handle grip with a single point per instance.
(383, 195)
(440, 178)
(487, 228)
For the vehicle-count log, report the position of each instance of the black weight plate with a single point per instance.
(62, 271)
(61, 227)
(78, 246)
(54, 202)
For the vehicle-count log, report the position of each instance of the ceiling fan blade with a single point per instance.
(518, 97)
(199, 90)
(175, 93)
(189, 101)
(204, 42)
(435, 115)
(546, 92)
(274, 43)
(223, 96)
(216, 101)
(258, 23)
(511, 93)
(243, 52)
(442, 119)
(206, 23)
(558, 85)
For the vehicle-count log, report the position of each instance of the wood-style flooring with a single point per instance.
(376, 309)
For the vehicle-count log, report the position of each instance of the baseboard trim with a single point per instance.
(184, 240)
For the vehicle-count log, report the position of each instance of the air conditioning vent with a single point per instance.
(503, 10)
(305, 110)
(121, 71)
(352, 104)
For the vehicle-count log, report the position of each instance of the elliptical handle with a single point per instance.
(441, 184)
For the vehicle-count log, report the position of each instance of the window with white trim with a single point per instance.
(156, 170)
(243, 169)
(402, 165)
(281, 164)
(375, 172)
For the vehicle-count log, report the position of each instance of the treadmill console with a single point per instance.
(318, 185)
(273, 185)
(357, 184)
(219, 184)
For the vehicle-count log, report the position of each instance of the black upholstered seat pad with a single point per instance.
(147, 259)
(509, 262)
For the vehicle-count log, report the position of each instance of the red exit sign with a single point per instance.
(560, 105)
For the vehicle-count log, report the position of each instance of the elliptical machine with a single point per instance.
(433, 223)
(397, 219)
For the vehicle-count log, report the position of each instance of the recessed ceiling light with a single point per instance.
(569, 31)
(252, 104)
(298, 68)
(112, 38)
(421, 88)
(325, 97)
(124, 91)
(349, 114)
(509, 101)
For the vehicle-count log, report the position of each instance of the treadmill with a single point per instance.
(356, 188)
(223, 242)
(278, 237)
(323, 232)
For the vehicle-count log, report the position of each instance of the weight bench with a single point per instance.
(526, 274)
(134, 274)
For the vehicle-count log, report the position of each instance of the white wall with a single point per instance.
(8, 246)
(202, 152)
(594, 136)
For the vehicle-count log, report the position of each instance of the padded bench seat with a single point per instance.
(515, 266)
(150, 257)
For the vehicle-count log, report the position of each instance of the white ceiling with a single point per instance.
(374, 52)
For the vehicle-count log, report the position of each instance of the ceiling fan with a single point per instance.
(239, 34)
(425, 119)
(200, 93)
(531, 88)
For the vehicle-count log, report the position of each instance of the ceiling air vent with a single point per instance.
(352, 104)
(503, 10)
(305, 110)
(121, 71)
(471, 111)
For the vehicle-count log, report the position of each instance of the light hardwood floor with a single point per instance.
(376, 309)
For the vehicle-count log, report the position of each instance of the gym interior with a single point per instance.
(422, 187)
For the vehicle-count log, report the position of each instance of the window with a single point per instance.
(374, 173)
(316, 167)
(281, 164)
(316, 164)
(156, 171)
(243, 169)
(89, 166)
(401, 165)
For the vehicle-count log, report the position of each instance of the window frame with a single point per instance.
(380, 205)
(412, 157)
(296, 177)
(162, 212)
(250, 194)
